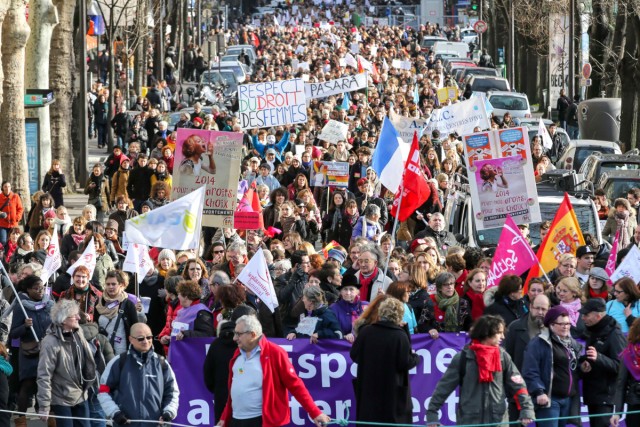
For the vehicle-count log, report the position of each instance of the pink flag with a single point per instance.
(611, 262)
(513, 254)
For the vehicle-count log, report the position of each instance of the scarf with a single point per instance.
(109, 307)
(448, 306)
(631, 359)
(604, 294)
(352, 219)
(77, 238)
(488, 359)
(337, 218)
(477, 303)
(622, 219)
(365, 284)
(574, 310)
(5, 367)
(161, 176)
(288, 224)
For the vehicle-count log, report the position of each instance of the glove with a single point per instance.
(3, 215)
(120, 418)
(167, 416)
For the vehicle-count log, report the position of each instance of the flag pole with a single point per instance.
(137, 286)
(393, 230)
(19, 301)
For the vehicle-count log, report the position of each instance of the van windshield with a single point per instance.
(485, 85)
(584, 213)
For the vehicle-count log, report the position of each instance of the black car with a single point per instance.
(598, 163)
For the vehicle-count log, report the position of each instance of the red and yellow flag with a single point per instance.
(564, 237)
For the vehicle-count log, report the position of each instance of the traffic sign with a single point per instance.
(480, 27)
(586, 70)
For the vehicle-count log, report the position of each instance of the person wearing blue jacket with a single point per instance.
(320, 322)
(270, 142)
(140, 368)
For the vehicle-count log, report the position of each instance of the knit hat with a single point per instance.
(148, 204)
(554, 313)
(198, 121)
(50, 214)
(265, 165)
(362, 181)
(124, 159)
(112, 223)
(337, 255)
(167, 254)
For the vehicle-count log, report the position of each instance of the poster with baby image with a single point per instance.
(499, 188)
(211, 158)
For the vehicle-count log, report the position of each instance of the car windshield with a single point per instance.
(583, 152)
(584, 213)
(216, 78)
(619, 187)
(480, 72)
(618, 166)
(506, 102)
(485, 85)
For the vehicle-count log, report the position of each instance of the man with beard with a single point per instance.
(520, 332)
(604, 342)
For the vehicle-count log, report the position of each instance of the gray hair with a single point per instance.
(371, 210)
(374, 251)
(63, 309)
(284, 263)
(315, 295)
(34, 266)
(92, 209)
(219, 277)
(443, 278)
(237, 247)
(251, 322)
(392, 309)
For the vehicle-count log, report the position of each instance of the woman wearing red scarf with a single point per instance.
(474, 288)
(628, 388)
(487, 378)
(596, 286)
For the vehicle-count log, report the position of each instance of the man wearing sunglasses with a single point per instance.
(140, 368)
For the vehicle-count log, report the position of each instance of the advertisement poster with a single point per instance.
(212, 158)
(332, 174)
(274, 103)
(477, 147)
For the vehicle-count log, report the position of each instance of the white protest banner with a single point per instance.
(334, 131)
(88, 259)
(547, 142)
(461, 117)
(337, 86)
(399, 63)
(53, 261)
(211, 159)
(138, 261)
(173, 226)
(256, 277)
(272, 104)
(406, 126)
(629, 267)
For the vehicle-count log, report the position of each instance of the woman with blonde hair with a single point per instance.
(54, 182)
(569, 292)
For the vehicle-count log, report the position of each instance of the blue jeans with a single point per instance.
(80, 410)
(560, 407)
(102, 134)
(96, 411)
(4, 235)
(572, 131)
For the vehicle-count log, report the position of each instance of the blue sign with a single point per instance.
(32, 133)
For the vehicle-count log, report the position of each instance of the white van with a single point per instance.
(459, 49)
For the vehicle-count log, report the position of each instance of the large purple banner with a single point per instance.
(327, 371)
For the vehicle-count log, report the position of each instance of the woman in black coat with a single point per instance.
(384, 356)
(508, 303)
(216, 364)
(54, 182)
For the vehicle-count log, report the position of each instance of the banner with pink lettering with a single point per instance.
(610, 268)
(513, 254)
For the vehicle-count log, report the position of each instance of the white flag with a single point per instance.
(173, 226)
(256, 277)
(544, 134)
(88, 259)
(350, 61)
(368, 66)
(54, 260)
(138, 261)
(629, 267)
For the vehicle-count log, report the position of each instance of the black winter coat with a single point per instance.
(508, 309)
(384, 357)
(598, 385)
(216, 367)
(53, 184)
(516, 340)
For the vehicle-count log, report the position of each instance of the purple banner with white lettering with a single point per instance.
(327, 371)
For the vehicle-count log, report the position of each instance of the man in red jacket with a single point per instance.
(260, 374)
(11, 211)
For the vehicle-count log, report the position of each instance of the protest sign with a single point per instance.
(461, 117)
(513, 142)
(53, 261)
(337, 86)
(399, 63)
(210, 158)
(337, 174)
(447, 93)
(513, 254)
(629, 267)
(477, 147)
(334, 131)
(273, 103)
(256, 277)
(406, 126)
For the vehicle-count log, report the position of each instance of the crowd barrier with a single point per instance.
(327, 371)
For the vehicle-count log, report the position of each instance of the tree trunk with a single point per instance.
(615, 58)
(628, 73)
(13, 148)
(4, 6)
(600, 38)
(43, 18)
(62, 70)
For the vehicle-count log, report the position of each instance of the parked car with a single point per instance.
(488, 83)
(468, 35)
(223, 77)
(573, 154)
(429, 41)
(597, 164)
(247, 48)
(617, 183)
(458, 49)
(241, 70)
(465, 76)
(517, 104)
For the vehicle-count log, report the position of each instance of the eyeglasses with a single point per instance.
(449, 285)
(562, 325)
(237, 334)
(143, 339)
(218, 252)
(616, 291)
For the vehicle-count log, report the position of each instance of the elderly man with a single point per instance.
(437, 230)
(260, 376)
(604, 342)
(371, 278)
(140, 368)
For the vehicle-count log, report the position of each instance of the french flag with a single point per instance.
(389, 157)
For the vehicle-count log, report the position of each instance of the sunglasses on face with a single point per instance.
(143, 339)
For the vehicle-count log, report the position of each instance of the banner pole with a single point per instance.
(393, 230)
(137, 286)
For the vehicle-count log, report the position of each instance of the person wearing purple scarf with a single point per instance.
(349, 307)
(628, 383)
(195, 319)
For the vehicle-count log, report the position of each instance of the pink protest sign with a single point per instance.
(513, 254)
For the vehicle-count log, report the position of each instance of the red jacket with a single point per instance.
(278, 376)
(13, 208)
